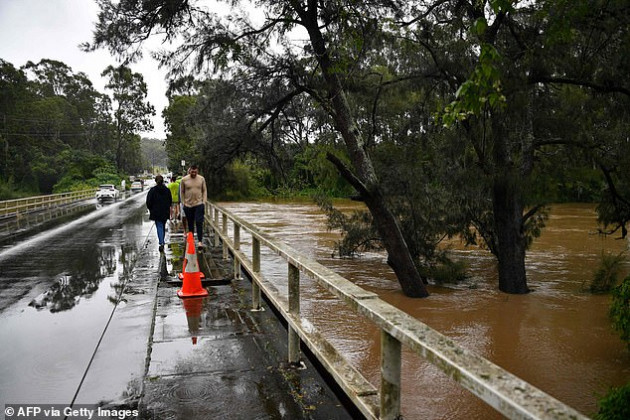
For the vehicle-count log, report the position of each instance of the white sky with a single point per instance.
(31, 30)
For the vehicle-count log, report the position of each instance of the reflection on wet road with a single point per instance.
(57, 292)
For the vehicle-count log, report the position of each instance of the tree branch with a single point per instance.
(575, 82)
(611, 186)
(348, 174)
(532, 212)
(276, 107)
(424, 15)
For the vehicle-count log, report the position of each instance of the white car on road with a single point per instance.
(136, 186)
(107, 192)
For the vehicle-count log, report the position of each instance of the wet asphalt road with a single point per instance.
(58, 290)
(77, 305)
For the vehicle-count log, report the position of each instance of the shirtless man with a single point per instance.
(194, 195)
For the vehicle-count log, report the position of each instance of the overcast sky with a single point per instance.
(31, 30)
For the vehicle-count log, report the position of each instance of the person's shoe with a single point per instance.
(161, 248)
(200, 245)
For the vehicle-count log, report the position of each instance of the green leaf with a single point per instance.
(480, 26)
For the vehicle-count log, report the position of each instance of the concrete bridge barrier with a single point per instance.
(20, 206)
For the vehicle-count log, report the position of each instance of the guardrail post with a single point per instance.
(224, 231)
(390, 376)
(256, 268)
(216, 227)
(294, 311)
(237, 247)
(207, 217)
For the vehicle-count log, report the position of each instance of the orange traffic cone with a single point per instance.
(192, 243)
(193, 307)
(192, 276)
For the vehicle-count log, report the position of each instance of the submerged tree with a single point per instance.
(507, 59)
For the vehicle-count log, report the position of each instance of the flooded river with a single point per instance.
(558, 337)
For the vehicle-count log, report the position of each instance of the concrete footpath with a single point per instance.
(214, 358)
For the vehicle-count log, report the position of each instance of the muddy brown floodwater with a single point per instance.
(558, 337)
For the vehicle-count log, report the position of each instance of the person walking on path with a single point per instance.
(173, 186)
(159, 202)
(181, 209)
(194, 195)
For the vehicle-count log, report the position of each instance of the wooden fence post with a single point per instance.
(224, 231)
(256, 268)
(294, 311)
(390, 377)
(216, 227)
(237, 247)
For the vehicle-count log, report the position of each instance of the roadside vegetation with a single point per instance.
(615, 405)
(58, 134)
(607, 275)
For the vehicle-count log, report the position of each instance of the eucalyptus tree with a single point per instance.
(395, 97)
(180, 131)
(87, 114)
(14, 93)
(596, 72)
(132, 114)
(47, 109)
(334, 35)
(596, 129)
(506, 59)
(228, 116)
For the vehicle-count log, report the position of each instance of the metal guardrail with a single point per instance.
(508, 394)
(41, 202)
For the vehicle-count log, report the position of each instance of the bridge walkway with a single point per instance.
(214, 357)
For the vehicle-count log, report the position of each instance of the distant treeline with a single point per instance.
(57, 133)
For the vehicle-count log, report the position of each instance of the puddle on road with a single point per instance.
(57, 292)
(48, 352)
(193, 308)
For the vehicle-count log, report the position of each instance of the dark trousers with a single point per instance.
(194, 217)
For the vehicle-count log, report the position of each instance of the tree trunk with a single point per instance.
(511, 243)
(508, 216)
(399, 256)
(119, 142)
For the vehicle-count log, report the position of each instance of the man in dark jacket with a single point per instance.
(159, 202)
